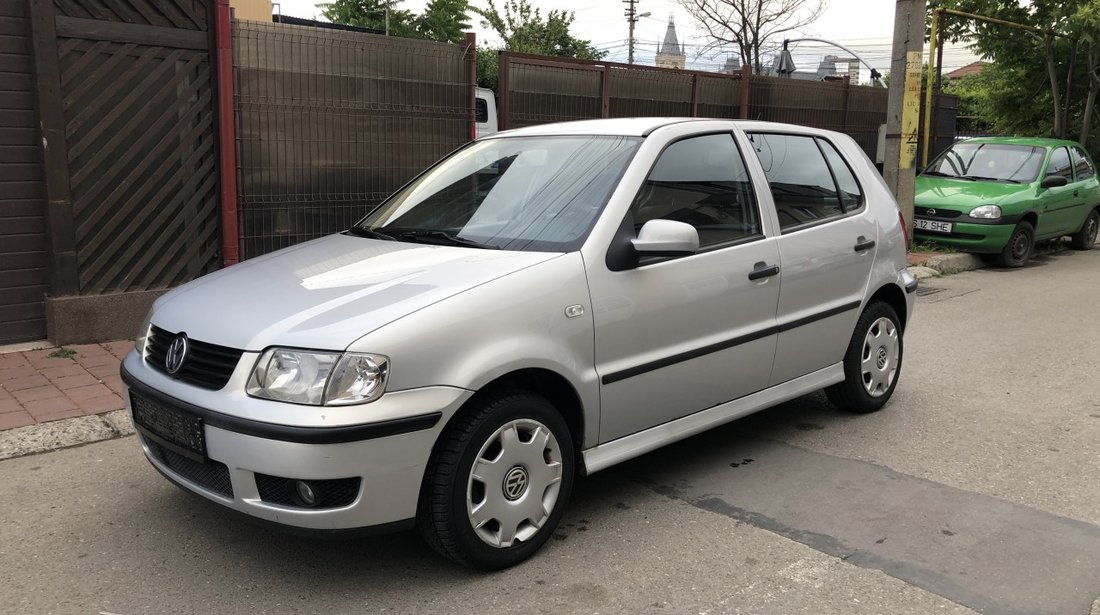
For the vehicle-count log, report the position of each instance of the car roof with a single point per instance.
(635, 126)
(1032, 141)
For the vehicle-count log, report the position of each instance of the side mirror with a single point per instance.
(666, 238)
(1053, 181)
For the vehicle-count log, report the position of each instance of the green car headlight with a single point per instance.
(318, 378)
(986, 212)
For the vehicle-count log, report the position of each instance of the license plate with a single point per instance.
(933, 225)
(171, 426)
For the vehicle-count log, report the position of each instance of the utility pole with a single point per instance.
(632, 18)
(903, 103)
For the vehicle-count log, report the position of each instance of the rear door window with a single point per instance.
(1081, 165)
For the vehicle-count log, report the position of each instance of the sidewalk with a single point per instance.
(40, 386)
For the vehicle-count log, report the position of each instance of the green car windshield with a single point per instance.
(988, 161)
(519, 193)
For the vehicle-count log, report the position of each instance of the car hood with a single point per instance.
(963, 195)
(329, 292)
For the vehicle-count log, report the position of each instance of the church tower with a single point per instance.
(670, 53)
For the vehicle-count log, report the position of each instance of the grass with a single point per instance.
(922, 245)
(63, 353)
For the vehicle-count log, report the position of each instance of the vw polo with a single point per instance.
(544, 303)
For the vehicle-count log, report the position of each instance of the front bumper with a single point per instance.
(387, 456)
(971, 237)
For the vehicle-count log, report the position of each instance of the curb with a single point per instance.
(954, 263)
(54, 435)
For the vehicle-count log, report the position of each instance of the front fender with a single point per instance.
(511, 323)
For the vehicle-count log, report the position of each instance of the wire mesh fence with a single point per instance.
(329, 123)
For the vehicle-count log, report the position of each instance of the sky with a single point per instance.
(864, 26)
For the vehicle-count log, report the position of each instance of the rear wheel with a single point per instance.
(498, 481)
(1085, 238)
(1018, 250)
(872, 363)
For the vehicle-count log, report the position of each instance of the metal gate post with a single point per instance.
(471, 76)
(227, 144)
(746, 78)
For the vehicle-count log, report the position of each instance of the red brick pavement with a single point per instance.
(45, 385)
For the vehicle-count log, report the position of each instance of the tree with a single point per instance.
(1046, 53)
(522, 28)
(751, 24)
(442, 20)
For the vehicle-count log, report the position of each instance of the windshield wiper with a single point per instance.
(441, 238)
(988, 179)
(938, 174)
(362, 231)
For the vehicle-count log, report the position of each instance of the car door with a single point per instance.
(1058, 206)
(827, 245)
(678, 335)
(1085, 184)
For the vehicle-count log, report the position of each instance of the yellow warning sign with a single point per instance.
(910, 110)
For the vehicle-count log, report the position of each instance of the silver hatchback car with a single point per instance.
(543, 303)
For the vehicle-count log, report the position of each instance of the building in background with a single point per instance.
(670, 53)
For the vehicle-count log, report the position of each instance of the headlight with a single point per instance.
(318, 378)
(986, 212)
(143, 334)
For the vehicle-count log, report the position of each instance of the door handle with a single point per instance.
(763, 270)
(863, 244)
(1075, 193)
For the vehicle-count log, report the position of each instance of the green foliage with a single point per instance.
(1016, 92)
(487, 69)
(523, 29)
(442, 20)
(63, 353)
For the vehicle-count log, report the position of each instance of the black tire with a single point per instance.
(853, 394)
(443, 518)
(1020, 245)
(1085, 238)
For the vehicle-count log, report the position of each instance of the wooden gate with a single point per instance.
(126, 102)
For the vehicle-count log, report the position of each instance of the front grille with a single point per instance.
(943, 214)
(206, 365)
(330, 493)
(209, 474)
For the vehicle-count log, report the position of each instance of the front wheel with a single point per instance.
(872, 362)
(498, 481)
(1018, 250)
(1085, 238)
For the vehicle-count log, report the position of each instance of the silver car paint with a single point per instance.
(464, 317)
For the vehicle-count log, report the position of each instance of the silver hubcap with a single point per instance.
(1090, 233)
(881, 352)
(514, 483)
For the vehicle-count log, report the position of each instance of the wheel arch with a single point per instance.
(894, 296)
(545, 382)
(1031, 217)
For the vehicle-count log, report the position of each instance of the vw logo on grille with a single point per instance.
(173, 359)
(930, 212)
(515, 483)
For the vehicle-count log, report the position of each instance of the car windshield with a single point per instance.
(520, 193)
(988, 161)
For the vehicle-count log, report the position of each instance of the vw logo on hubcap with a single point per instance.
(882, 355)
(515, 483)
(173, 359)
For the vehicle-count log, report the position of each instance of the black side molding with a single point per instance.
(288, 433)
(644, 368)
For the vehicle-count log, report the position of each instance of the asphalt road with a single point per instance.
(975, 490)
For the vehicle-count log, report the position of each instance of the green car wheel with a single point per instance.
(1018, 250)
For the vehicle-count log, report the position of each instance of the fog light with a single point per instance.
(305, 493)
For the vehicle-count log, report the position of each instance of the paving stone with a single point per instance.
(48, 407)
(48, 391)
(45, 416)
(97, 360)
(103, 403)
(91, 391)
(72, 382)
(42, 358)
(12, 373)
(14, 359)
(62, 371)
(10, 405)
(11, 420)
(103, 371)
(25, 382)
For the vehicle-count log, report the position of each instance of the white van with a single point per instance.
(485, 112)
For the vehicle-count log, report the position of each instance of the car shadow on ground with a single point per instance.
(346, 564)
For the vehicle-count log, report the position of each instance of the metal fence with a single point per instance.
(537, 89)
(329, 123)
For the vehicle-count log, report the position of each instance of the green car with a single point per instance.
(999, 195)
